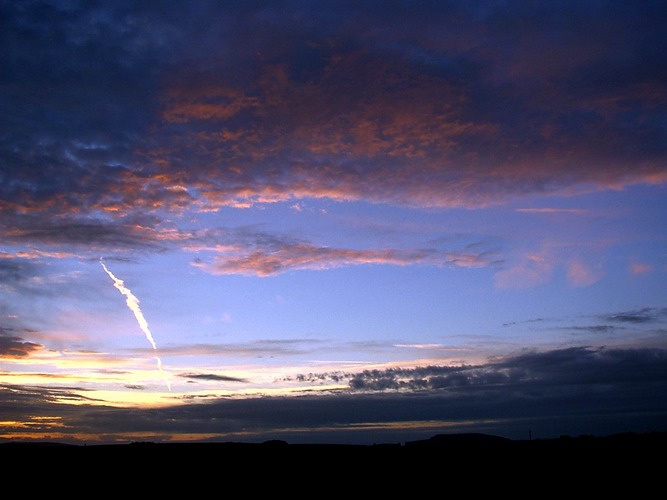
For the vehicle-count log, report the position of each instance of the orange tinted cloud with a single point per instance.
(15, 347)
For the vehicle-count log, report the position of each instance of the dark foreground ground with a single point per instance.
(623, 447)
(623, 464)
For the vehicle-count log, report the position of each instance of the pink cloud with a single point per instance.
(580, 274)
(640, 268)
(302, 256)
(366, 127)
(548, 210)
(534, 269)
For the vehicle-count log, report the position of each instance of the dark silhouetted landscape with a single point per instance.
(629, 465)
(625, 448)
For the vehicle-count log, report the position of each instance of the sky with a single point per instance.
(332, 221)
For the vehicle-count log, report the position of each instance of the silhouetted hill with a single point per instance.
(616, 455)
(461, 440)
(439, 440)
(627, 465)
(466, 439)
(618, 465)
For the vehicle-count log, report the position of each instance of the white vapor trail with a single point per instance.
(133, 304)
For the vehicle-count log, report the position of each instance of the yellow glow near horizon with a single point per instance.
(49, 432)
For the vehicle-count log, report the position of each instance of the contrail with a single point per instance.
(133, 304)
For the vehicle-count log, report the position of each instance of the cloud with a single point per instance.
(597, 329)
(258, 348)
(581, 274)
(538, 267)
(122, 109)
(31, 403)
(545, 210)
(12, 270)
(640, 268)
(597, 364)
(261, 254)
(534, 269)
(12, 346)
(18, 272)
(85, 233)
(211, 377)
(506, 396)
(134, 387)
(643, 315)
(336, 130)
(311, 257)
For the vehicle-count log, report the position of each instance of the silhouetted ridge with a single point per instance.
(36, 444)
(465, 439)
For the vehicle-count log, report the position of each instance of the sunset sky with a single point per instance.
(336, 221)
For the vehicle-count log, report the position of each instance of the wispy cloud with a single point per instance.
(580, 273)
(545, 210)
(84, 232)
(639, 268)
(643, 315)
(211, 377)
(261, 254)
(305, 256)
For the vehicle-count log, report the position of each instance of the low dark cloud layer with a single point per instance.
(577, 390)
(577, 365)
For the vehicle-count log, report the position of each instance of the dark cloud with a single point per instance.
(18, 271)
(211, 377)
(568, 391)
(78, 90)
(73, 232)
(12, 346)
(644, 315)
(89, 235)
(14, 270)
(429, 114)
(28, 403)
(574, 365)
(136, 387)
(594, 328)
(581, 365)
(120, 108)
